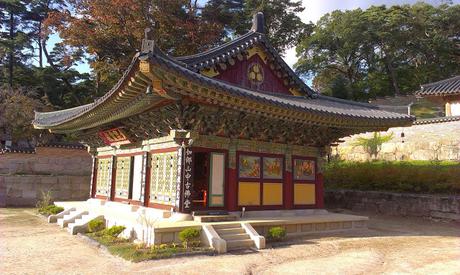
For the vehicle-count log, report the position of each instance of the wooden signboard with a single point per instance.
(114, 136)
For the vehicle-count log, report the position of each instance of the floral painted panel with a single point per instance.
(304, 169)
(273, 168)
(249, 167)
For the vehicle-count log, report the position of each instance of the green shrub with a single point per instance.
(45, 200)
(50, 210)
(276, 234)
(113, 231)
(190, 237)
(396, 176)
(96, 225)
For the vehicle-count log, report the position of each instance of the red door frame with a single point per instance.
(314, 182)
(147, 202)
(95, 178)
(126, 200)
(226, 177)
(261, 180)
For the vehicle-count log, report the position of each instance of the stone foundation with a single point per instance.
(398, 204)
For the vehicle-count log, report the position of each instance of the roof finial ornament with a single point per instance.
(258, 23)
(148, 43)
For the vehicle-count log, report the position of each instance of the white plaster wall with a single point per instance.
(137, 177)
(455, 108)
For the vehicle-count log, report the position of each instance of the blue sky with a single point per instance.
(314, 9)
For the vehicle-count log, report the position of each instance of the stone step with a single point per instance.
(239, 244)
(71, 218)
(215, 218)
(226, 225)
(228, 231)
(229, 237)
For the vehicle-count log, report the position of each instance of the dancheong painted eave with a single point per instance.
(154, 79)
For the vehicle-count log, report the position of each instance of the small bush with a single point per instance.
(114, 231)
(190, 237)
(44, 202)
(96, 225)
(50, 210)
(276, 234)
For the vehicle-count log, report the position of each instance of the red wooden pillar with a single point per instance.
(319, 190)
(94, 177)
(288, 190)
(232, 190)
(113, 179)
(148, 165)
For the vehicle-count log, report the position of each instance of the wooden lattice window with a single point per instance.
(123, 177)
(163, 178)
(104, 169)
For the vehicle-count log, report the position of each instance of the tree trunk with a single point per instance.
(40, 49)
(393, 76)
(11, 54)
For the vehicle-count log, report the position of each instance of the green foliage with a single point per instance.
(404, 176)
(190, 237)
(111, 232)
(139, 252)
(373, 145)
(381, 51)
(96, 225)
(276, 234)
(45, 200)
(50, 210)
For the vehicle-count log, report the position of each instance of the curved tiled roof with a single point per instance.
(450, 86)
(231, 49)
(319, 104)
(437, 120)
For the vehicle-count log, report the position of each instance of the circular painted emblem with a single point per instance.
(255, 73)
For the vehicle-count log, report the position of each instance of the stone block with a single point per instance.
(308, 227)
(167, 237)
(334, 225)
(291, 228)
(320, 227)
(347, 225)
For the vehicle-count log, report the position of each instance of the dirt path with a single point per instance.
(28, 245)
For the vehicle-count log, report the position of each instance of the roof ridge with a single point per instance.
(217, 48)
(439, 81)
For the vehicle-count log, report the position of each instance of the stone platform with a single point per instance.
(244, 232)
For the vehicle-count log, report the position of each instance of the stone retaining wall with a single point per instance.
(437, 141)
(418, 205)
(63, 171)
(26, 190)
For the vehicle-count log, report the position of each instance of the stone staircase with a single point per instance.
(71, 217)
(234, 235)
(80, 225)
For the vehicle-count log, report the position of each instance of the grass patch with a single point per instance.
(135, 253)
(397, 176)
(50, 210)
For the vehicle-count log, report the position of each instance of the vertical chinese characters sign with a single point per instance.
(188, 178)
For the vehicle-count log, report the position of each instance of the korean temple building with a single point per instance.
(224, 129)
(446, 91)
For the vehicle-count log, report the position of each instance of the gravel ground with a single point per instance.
(391, 245)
